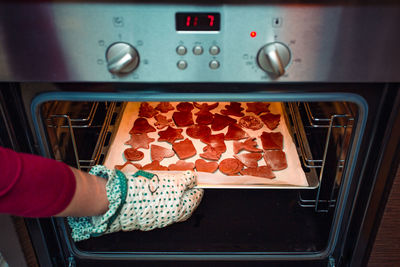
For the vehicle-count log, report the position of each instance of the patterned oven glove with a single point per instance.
(142, 201)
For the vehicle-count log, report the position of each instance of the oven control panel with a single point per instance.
(190, 43)
(132, 42)
(196, 44)
(123, 58)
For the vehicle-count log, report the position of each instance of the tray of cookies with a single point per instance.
(228, 144)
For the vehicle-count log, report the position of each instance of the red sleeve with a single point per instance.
(33, 186)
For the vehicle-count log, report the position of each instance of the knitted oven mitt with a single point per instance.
(142, 201)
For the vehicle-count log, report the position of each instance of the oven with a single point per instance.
(72, 71)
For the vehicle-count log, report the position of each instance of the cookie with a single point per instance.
(272, 141)
(204, 166)
(164, 107)
(271, 120)
(146, 110)
(184, 149)
(230, 166)
(234, 109)
(141, 125)
(198, 131)
(235, 132)
(220, 122)
(170, 135)
(159, 153)
(248, 145)
(183, 118)
(260, 171)
(132, 154)
(154, 166)
(250, 122)
(181, 165)
(249, 159)
(276, 159)
(139, 141)
(258, 107)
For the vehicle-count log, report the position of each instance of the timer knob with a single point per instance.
(122, 58)
(274, 58)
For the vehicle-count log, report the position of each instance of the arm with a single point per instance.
(90, 196)
(34, 186)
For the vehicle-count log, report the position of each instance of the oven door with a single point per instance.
(335, 129)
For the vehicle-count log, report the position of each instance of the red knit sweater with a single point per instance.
(33, 186)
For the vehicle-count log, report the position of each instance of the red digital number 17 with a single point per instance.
(211, 18)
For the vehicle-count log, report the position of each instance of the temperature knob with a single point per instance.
(122, 58)
(274, 58)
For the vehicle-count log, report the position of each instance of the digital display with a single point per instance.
(198, 21)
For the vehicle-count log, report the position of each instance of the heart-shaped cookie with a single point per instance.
(132, 154)
(204, 166)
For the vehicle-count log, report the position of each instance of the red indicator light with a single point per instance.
(253, 34)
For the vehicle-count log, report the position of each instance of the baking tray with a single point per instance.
(291, 177)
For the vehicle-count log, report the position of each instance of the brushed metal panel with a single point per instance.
(68, 41)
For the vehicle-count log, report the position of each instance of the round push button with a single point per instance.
(214, 64)
(181, 50)
(182, 64)
(198, 50)
(214, 50)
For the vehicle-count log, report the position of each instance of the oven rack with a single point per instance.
(319, 120)
(343, 121)
(106, 124)
(335, 129)
(303, 119)
(81, 121)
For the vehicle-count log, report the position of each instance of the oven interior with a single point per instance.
(284, 220)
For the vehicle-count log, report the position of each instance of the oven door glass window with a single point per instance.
(257, 207)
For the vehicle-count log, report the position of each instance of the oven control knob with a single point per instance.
(122, 58)
(274, 58)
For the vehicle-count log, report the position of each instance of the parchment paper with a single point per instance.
(292, 176)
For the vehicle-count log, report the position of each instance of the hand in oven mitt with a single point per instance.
(142, 201)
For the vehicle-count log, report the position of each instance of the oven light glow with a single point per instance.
(253, 34)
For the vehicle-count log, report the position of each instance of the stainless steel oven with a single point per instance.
(71, 70)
